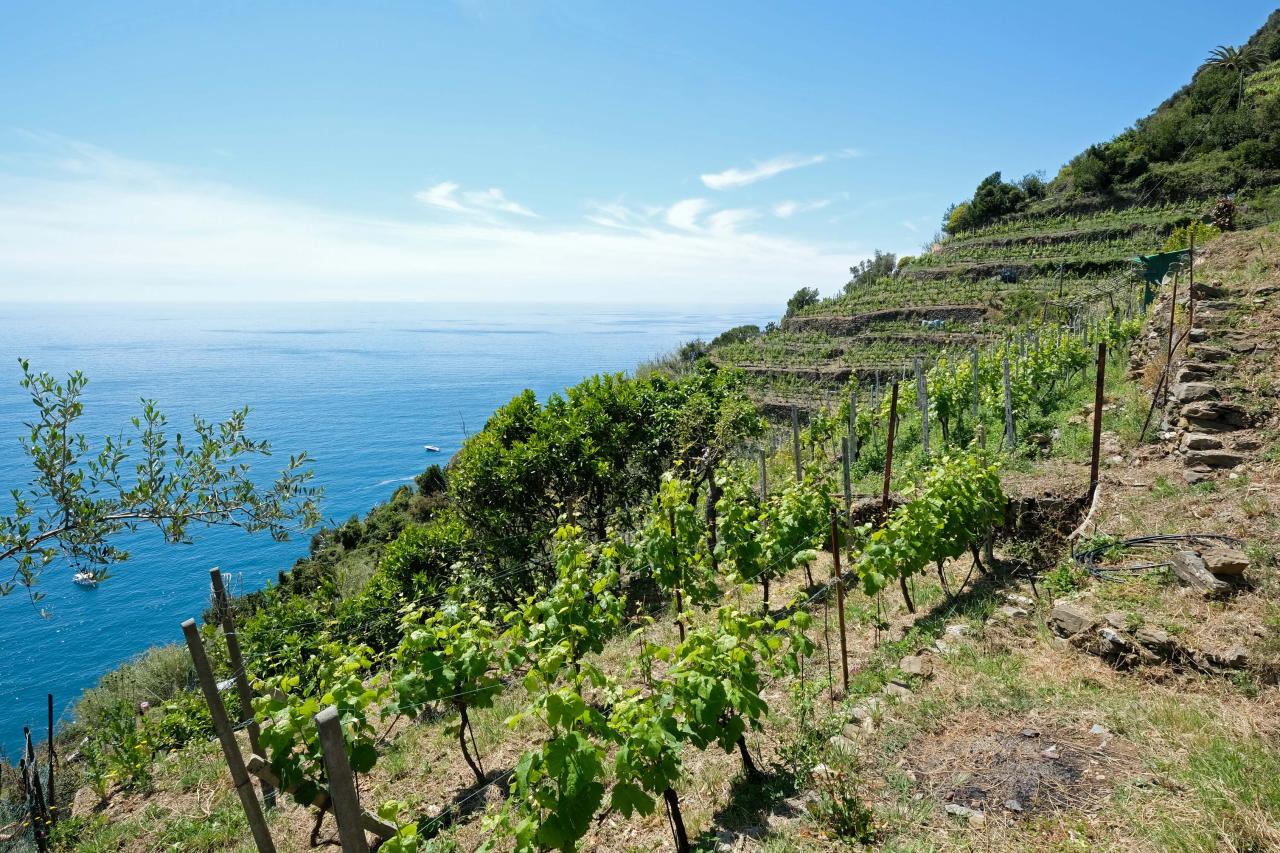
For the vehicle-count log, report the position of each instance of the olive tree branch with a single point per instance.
(77, 502)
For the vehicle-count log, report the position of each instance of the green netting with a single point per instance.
(1155, 268)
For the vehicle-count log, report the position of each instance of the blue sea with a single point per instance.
(360, 387)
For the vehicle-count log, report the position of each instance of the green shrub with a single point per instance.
(119, 749)
(1181, 236)
(186, 718)
(1065, 578)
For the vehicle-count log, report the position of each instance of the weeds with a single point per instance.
(1064, 579)
(841, 809)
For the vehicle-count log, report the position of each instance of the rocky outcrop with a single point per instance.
(1111, 638)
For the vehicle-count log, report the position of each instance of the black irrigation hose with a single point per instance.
(1088, 558)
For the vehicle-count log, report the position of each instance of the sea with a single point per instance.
(362, 388)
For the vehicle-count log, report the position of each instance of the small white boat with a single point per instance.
(85, 579)
(431, 447)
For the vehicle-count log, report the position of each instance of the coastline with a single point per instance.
(184, 568)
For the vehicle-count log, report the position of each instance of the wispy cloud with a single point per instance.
(84, 223)
(760, 170)
(734, 177)
(788, 209)
(445, 196)
(684, 214)
(919, 222)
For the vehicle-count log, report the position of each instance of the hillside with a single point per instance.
(613, 621)
(1036, 251)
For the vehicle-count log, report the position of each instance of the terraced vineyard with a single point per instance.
(970, 289)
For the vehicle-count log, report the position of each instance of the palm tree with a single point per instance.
(1238, 60)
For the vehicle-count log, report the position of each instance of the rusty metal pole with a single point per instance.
(1191, 278)
(1173, 307)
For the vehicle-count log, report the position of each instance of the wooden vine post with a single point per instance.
(922, 400)
(848, 482)
(795, 442)
(1100, 380)
(764, 477)
(342, 784)
(222, 609)
(1010, 437)
(227, 738)
(671, 521)
(835, 567)
(888, 475)
(978, 428)
(853, 424)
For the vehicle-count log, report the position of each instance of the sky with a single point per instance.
(670, 152)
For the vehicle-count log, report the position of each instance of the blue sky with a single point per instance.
(475, 150)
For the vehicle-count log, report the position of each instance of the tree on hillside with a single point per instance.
(79, 501)
(801, 299)
(1239, 61)
(993, 198)
(871, 270)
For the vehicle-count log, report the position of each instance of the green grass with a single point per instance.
(1231, 785)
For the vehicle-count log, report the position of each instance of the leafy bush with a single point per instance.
(186, 718)
(992, 199)
(1065, 578)
(421, 559)
(1181, 236)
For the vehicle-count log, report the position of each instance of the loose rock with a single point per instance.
(1188, 566)
(1225, 561)
(918, 665)
(1214, 458)
(1070, 618)
(1200, 441)
(843, 744)
(895, 688)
